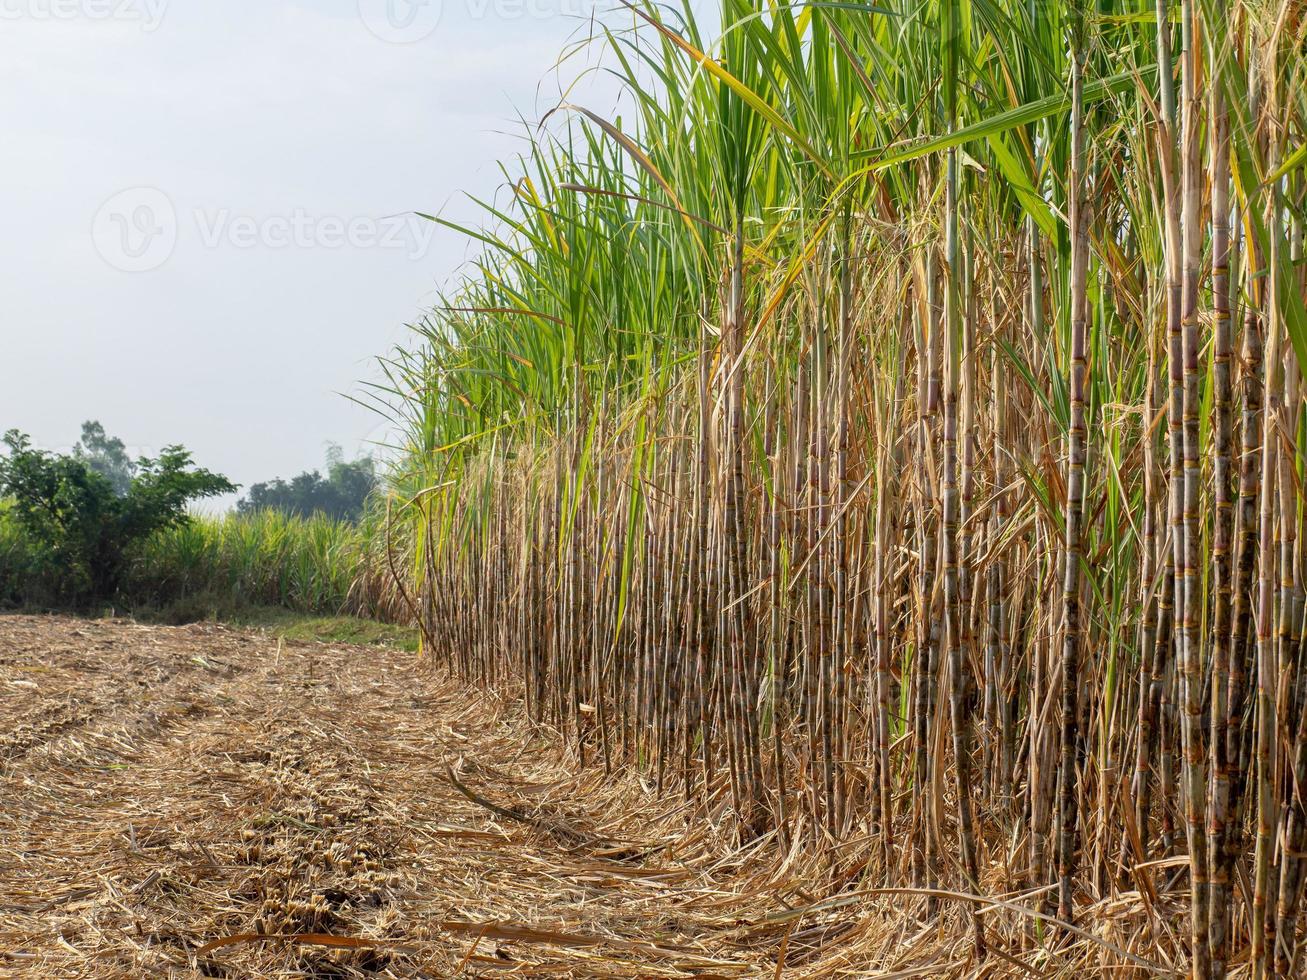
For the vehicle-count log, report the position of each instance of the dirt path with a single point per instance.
(162, 789)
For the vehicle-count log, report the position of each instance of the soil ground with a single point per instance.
(202, 801)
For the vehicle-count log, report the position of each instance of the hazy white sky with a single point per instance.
(249, 164)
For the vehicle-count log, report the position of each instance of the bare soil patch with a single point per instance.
(207, 802)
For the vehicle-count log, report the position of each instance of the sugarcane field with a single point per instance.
(767, 490)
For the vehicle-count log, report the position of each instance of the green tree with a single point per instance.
(82, 529)
(106, 455)
(341, 495)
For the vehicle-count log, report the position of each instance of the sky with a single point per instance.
(208, 205)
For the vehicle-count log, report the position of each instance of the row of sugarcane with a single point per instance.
(896, 435)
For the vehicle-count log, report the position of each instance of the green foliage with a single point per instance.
(210, 568)
(21, 580)
(77, 531)
(215, 567)
(341, 496)
(69, 539)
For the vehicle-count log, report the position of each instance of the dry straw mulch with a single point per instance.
(208, 802)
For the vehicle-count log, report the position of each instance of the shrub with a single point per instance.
(76, 531)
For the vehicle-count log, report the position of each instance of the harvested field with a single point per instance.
(208, 802)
